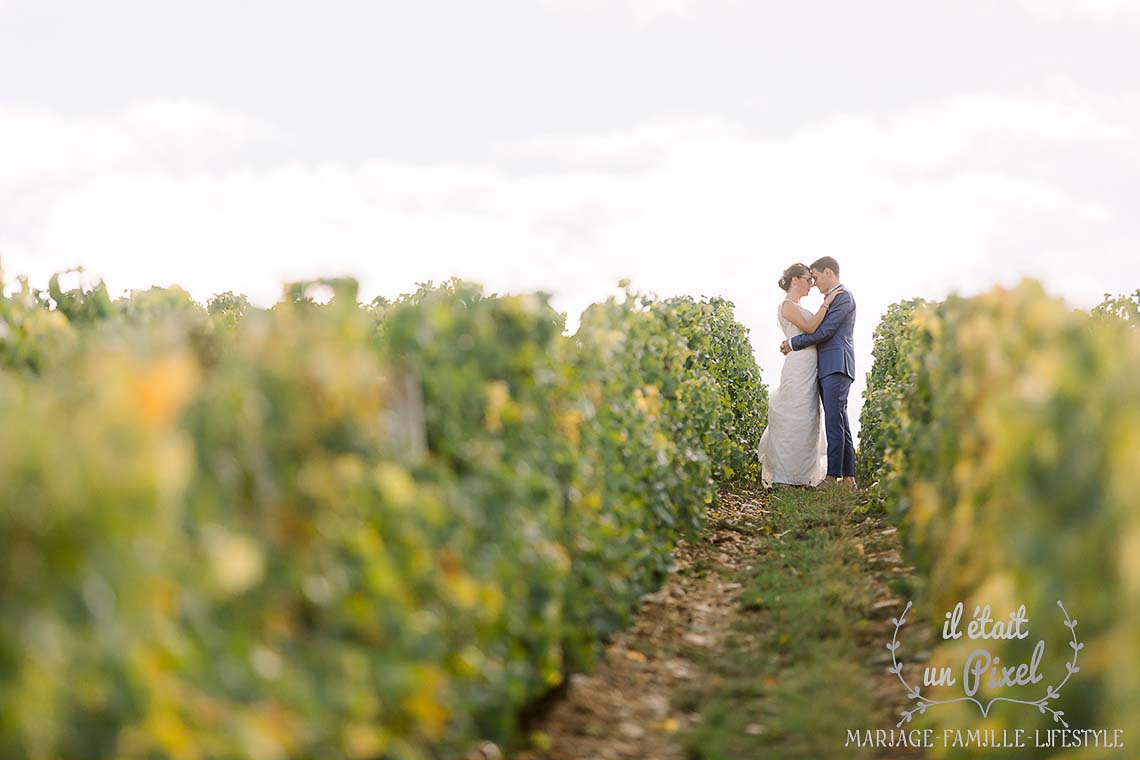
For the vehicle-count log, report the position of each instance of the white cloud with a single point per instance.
(640, 12)
(954, 194)
(39, 146)
(54, 164)
(1093, 9)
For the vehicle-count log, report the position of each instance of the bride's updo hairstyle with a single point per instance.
(795, 270)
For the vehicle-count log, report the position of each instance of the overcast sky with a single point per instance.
(694, 146)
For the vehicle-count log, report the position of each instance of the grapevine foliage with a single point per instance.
(1002, 432)
(329, 529)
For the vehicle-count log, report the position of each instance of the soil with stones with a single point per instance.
(624, 708)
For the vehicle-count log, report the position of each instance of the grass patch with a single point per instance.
(795, 677)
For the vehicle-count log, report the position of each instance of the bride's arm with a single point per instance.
(796, 317)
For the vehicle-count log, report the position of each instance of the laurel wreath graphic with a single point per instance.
(925, 703)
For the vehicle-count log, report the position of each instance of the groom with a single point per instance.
(836, 358)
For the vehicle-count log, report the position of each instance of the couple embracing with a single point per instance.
(798, 447)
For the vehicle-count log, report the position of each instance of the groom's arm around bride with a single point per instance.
(841, 314)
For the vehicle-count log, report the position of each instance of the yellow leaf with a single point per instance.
(498, 396)
(161, 389)
(236, 561)
(425, 703)
(462, 589)
(395, 482)
(362, 740)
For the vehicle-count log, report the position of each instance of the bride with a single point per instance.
(793, 448)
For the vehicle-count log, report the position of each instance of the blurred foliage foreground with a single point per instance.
(338, 530)
(1003, 434)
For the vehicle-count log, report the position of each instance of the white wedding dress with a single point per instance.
(793, 448)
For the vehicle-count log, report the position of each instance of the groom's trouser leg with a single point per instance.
(848, 439)
(840, 444)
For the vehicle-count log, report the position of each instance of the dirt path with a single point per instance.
(626, 707)
(709, 655)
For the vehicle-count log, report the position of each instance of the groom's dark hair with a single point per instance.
(826, 262)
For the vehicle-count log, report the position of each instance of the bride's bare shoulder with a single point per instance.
(789, 308)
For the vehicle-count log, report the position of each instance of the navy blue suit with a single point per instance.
(835, 349)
